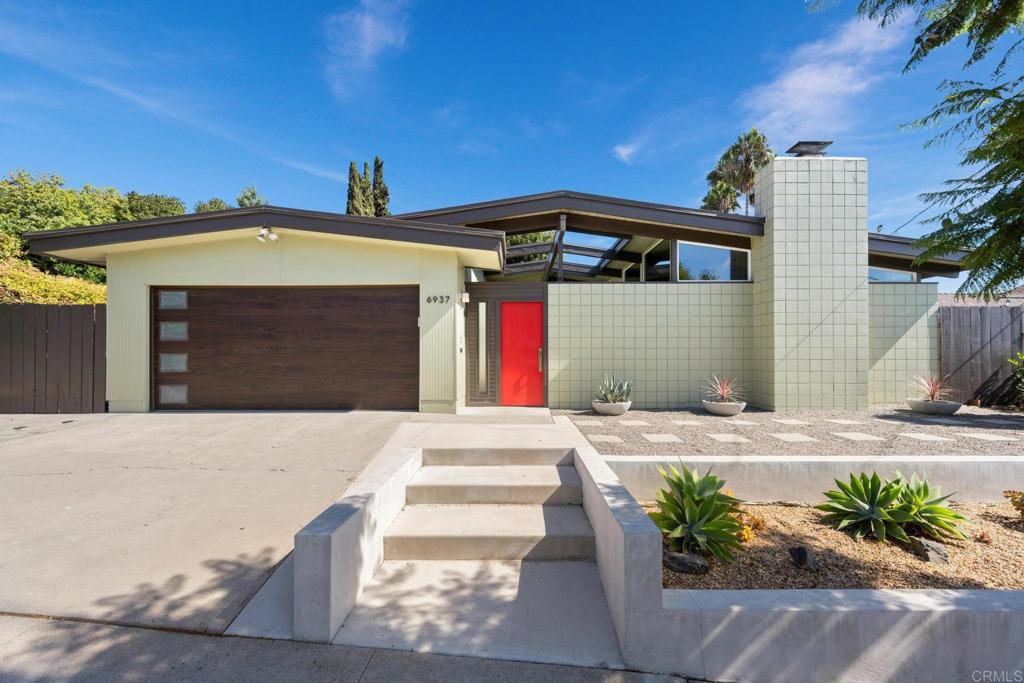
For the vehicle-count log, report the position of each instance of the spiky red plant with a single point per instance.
(723, 389)
(933, 387)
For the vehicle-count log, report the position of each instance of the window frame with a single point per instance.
(679, 260)
(915, 276)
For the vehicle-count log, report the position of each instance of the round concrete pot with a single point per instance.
(923, 405)
(724, 408)
(602, 408)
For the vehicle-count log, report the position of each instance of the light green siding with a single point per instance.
(666, 337)
(904, 338)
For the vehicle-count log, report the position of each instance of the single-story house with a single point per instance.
(276, 308)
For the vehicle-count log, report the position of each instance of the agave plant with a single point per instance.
(696, 515)
(723, 389)
(926, 509)
(867, 505)
(932, 386)
(613, 390)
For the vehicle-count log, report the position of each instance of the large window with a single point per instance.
(705, 262)
(890, 275)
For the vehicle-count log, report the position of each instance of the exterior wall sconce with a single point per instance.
(266, 234)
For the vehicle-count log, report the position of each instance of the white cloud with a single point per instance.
(357, 39)
(814, 94)
(625, 151)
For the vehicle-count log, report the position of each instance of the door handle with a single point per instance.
(540, 359)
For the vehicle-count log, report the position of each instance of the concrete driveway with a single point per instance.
(168, 519)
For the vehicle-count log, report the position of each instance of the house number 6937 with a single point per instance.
(438, 299)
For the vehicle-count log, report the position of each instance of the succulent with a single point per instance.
(933, 387)
(613, 390)
(926, 509)
(723, 389)
(867, 505)
(696, 515)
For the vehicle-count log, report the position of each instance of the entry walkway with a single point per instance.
(541, 611)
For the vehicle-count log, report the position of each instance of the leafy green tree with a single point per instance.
(983, 210)
(381, 194)
(739, 165)
(142, 206)
(356, 204)
(721, 196)
(366, 183)
(249, 197)
(211, 204)
(529, 238)
(42, 202)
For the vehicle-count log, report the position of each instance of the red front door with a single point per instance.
(522, 353)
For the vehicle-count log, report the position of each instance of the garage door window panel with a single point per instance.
(173, 331)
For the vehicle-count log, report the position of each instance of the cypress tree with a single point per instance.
(367, 186)
(355, 205)
(381, 194)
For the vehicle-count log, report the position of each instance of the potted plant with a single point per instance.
(612, 396)
(723, 396)
(936, 397)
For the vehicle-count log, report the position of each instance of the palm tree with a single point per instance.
(721, 196)
(741, 162)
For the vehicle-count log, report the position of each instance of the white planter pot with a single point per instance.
(724, 408)
(923, 405)
(602, 408)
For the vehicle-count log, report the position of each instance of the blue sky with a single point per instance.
(465, 101)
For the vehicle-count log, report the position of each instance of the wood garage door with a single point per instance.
(285, 348)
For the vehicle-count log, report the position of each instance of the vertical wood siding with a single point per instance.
(52, 358)
(975, 343)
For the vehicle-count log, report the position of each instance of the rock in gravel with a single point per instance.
(929, 550)
(686, 563)
(804, 558)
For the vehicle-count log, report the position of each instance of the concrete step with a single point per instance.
(513, 485)
(487, 457)
(490, 532)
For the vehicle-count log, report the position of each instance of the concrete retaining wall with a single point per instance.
(338, 552)
(790, 636)
(841, 636)
(767, 478)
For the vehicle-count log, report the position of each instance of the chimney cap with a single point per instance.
(809, 148)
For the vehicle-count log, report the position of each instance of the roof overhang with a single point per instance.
(893, 251)
(597, 213)
(91, 244)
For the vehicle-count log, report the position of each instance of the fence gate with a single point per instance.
(52, 358)
(975, 343)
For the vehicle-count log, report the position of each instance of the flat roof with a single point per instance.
(54, 242)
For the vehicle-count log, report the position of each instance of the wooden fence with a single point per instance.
(974, 345)
(52, 358)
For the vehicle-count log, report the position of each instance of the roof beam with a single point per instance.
(555, 247)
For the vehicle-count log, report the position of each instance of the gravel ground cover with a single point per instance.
(846, 563)
(887, 430)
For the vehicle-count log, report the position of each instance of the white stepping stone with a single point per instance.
(792, 437)
(662, 438)
(843, 422)
(923, 437)
(789, 421)
(740, 423)
(604, 438)
(987, 437)
(588, 423)
(686, 423)
(857, 436)
(729, 438)
(635, 423)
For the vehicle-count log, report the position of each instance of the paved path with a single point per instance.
(52, 651)
(171, 519)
